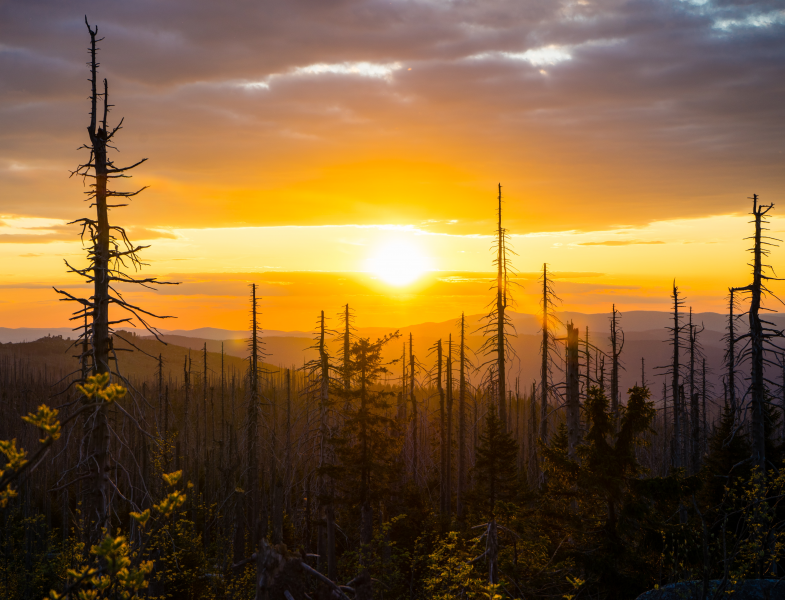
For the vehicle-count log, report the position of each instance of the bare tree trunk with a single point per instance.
(224, 437)
(347, 342)
(617, 344)
(675, 366)
(665, 438)
(704, 428)
(448, 459)
(493, 553)
(325, 487)
(501, 306)
(413, 400)
(757, 388)
(99, 496)
(253, 428)
(462, 423)
(695, 438)
(186, 410)
(587, 350)
(731, 354)
(533, 472)
(442, 434)
(518, 438)
(544, 366)
(782, 396)
(204, 398)
(573, 399)
(643, 372)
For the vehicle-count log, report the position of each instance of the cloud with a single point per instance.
(767, 19)
(354, 69)
(620, 243)
(370, 111)
(537, 57)
(142, 233)
(32, 230)
(38, 238)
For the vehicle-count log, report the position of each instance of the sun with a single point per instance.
(398, 262)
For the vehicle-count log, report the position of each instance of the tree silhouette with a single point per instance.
(109, 254)
(367, 456)
(496, 460)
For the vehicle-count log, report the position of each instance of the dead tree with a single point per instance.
(256, 526)
(665, 440)
(573, 388)
(109, 254)
(617, 345)
(347, 317)
(413, 400)
(186, 408)
(705, 386)
(549, 322)
(329, 510)
(533, 469)
(782, 394)
(674, 372)
(443, 451)
(587, 352)
(730, 351)
(204, 401)
(643, 372)
(761, 333)
(449, 426)
(695, 429)
(462, 385)
(498, 326)
(319, 371)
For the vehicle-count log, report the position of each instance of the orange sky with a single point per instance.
(322, 150)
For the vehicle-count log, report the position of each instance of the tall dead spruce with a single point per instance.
(761, 333)
(573, 406)
(674, 371)
(109, 254)
(730, 352)
(550, 322)
(498, 326)
(617, 345)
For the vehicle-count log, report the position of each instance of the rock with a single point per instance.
(748, 589)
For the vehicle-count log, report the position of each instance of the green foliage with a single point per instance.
(32, 556)
(386, 561)
(16, 458)
(98, 389)
(449, 573)
(114, 568)
(597, 502)
(368, 445)
(496, 460)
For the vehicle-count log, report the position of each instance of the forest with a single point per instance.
(383, 467)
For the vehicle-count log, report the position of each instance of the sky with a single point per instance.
(338, 151)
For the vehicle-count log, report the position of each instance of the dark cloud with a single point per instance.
(664, 108)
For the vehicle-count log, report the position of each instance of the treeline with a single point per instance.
(386, 468)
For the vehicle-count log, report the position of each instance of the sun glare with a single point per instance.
(398, 262)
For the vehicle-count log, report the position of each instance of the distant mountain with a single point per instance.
(58, 357)
(646, 337)
(528, 324)
(212, 333)
(30, 334)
